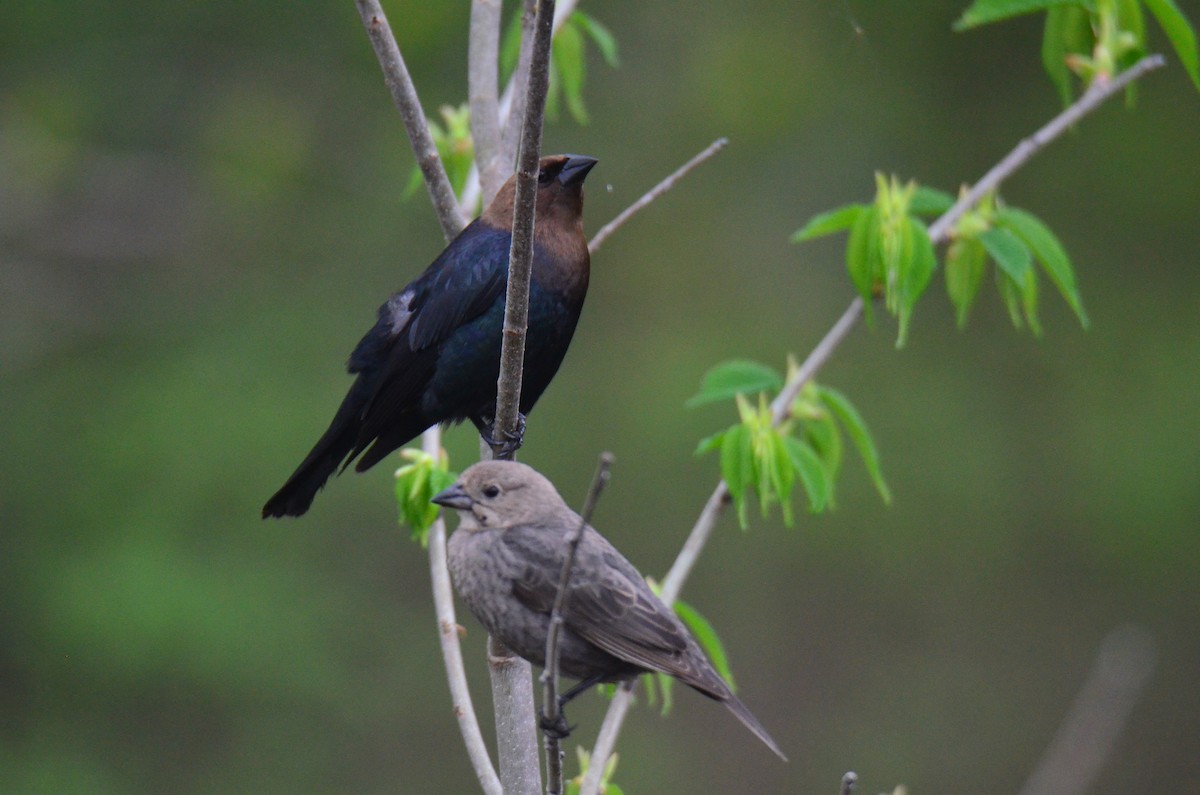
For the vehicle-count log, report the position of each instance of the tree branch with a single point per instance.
(404, 95)
(520, 257)
(1086, 737)
(443, 600)
(550, 706)
(939, 231)
(652, 194)
(483, 56)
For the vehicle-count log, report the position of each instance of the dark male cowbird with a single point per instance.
(434, 353)
(506, 559)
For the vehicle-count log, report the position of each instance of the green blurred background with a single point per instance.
(200, 210)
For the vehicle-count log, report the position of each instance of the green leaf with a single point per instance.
(929, 201)
(710, 443)
(811, 471)
(510, 46)
(915, 272)
(862, 255)
(1010, 291)
(825, 439)
(1180, 32)
(568, 56)
(781, 473)
(1062, 24)
(737, 466)
(738, 376)
(828, 223)
(841, 407)
(1029, 300)
(416, 484)
(966, 261)
(605, 42)
(1013, 256)
(665, 683)
(706, 636)
(983, 12)
(1049, 252)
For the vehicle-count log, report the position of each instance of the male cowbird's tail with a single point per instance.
(295, 497)
(746, 717)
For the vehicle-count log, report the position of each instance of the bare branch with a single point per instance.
(404, 95)
(520, 257)
(652, 194)
(516, 731)
(550, 706)
(443, 600)
(938, 232)
(1091, 99)
(483, 63)
(1087, 735)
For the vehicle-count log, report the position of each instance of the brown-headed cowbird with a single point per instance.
(434, 353)
(506, 558)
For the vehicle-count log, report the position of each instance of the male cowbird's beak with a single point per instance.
(576, 168)
(454, 497)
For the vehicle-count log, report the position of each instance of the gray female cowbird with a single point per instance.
(506, 559)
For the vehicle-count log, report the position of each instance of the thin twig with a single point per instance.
(520, 257)
(652, 194)
(404, 95)
(938, 232)
(1091, 99)
(443, 600)
(1098, 715)
(550, 706)
(483, 66)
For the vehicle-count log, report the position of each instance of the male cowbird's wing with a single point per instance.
(413, 329)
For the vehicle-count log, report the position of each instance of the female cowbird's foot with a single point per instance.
(505, 447)
(558, 728)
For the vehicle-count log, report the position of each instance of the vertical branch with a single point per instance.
(404, 95)
(516, 731)
(483, 78)
(551, 711)
(520, 257)
(443, 599)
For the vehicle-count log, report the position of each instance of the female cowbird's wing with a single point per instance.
(608, 604)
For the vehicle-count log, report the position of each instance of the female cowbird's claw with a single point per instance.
(558, 728)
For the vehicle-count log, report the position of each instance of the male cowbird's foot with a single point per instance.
(505, 447)
(558, 728)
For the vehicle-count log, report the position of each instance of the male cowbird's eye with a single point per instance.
(544, 177)
(491, 492)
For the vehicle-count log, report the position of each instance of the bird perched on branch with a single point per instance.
(506, 559)
(434, 353)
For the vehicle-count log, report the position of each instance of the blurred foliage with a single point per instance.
(199, 214)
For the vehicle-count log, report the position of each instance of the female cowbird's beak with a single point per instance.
(454, 497)
(575, 169)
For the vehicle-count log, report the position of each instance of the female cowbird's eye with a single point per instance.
(544, 177)
(491, 491)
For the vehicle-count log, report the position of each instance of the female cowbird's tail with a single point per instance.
(747, 718)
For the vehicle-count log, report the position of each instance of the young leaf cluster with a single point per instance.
(575, 785)
(454, 145)
(1015, 240)
(1093, 39)
(416, 484)
(758, 455)
(568, 64)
